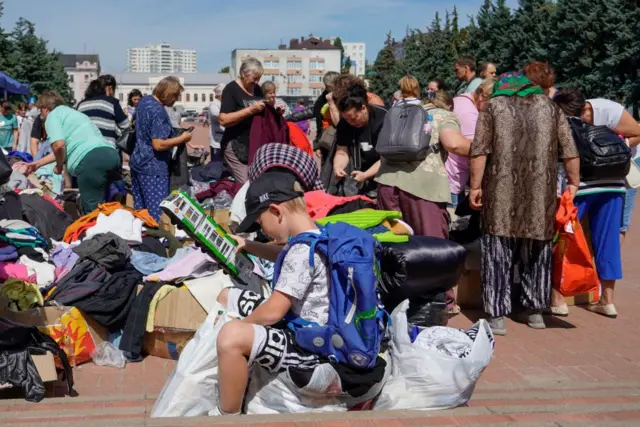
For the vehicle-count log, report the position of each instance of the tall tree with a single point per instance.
(501, 44)
(338, 43)
(584, 46)
(383, 81)
(6, 48)
(532, 26)
(35, 65)
(629, 61)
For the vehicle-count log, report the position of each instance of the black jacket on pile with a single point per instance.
(45, 216)
(17, 344)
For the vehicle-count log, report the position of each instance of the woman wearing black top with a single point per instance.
(241, 100)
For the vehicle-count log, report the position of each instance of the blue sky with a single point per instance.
(214, 28)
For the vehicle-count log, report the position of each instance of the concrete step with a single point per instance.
(608, 405)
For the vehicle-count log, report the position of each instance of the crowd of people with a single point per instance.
(502, 151)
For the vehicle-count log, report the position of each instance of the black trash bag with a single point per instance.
(428, 311)
(178, 165)
(420, 267)
(5, 169)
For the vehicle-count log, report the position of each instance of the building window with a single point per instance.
(121, 97)
(70, 78)
(294, 91)
(195, 97)
(294, 65)
(360, 48)
(294, 78)
(315, 78)
(86, 78)
(271, 65)
(204, 97)
(180, 98)
(316, 65)
(269, 78)
(315, 92)
(210, 97)
(188, 98)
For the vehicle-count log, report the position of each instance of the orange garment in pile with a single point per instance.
(77, 229)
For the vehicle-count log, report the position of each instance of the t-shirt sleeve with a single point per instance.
(566, 144)
(54, 127)
(344, 134)
(36, 130)
(295, 273)
(482, 144)
(606, 113)
(229, 101)
(161, 126)
(121, 118)
(468, 116)
(473, 85)
(14, 125)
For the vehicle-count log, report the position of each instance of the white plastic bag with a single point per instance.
(192, 388)
(107, 354)
(427, 378)
(278, 394)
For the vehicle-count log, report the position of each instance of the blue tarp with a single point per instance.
(11, 86)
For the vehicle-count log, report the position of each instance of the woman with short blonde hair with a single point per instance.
(241, 100)
(155, 141)
(409, 87)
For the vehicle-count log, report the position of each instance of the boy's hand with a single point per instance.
(241, 241)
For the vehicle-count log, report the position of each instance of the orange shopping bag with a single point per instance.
(573, 270)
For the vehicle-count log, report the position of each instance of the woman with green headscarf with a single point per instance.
(513, 182)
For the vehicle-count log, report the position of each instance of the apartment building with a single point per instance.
(297, 69)
(357, 52)
(81, 69)
(161, 58)
(198, 87)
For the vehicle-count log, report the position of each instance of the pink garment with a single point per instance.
(10, 270)
(194, 264)
(458, 166)
(20, 167)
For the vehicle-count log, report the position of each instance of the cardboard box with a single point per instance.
(179, 311)
(469, 290)
(177, 318)
(166, 343)
(77, 334)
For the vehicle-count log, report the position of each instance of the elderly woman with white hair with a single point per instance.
(241, 100)
(217, 130)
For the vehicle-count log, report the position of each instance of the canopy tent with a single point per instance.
(11, 86)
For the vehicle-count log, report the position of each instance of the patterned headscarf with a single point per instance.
(515, 84)
(277, 155)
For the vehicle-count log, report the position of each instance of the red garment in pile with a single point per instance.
(319, 203)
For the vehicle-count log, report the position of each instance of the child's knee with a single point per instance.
(223, 297)
(235, 336)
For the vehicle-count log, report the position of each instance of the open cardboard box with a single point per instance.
(177, 318)
(75, 332)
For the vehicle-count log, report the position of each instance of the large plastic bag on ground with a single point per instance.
(430, 373)
(278, 394)
(192, 388)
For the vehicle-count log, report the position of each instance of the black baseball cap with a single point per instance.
(272, 187)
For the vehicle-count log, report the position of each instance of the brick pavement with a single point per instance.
(582, 370)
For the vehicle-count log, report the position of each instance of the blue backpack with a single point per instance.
(357, 320)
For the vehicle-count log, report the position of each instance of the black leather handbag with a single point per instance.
(603, 154)
(127, 141)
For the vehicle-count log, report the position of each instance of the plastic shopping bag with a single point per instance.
(574, 272)
(279, 394)
(436, 371)
(192, 388)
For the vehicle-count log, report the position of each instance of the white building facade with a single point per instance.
(297, 73)
(161, 58)
(81, 69)
(198, 87)
(357, 52)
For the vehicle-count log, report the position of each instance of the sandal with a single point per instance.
(560, 310)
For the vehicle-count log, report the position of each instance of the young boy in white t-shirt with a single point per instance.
(274, 202)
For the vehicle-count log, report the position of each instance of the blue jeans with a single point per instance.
(629, 203)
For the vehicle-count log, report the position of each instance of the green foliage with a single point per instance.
(26, 57)
(593, 45)
(224, 69)
(338, 43)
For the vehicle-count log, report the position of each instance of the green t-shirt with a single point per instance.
(7, 125)
(79, 133)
